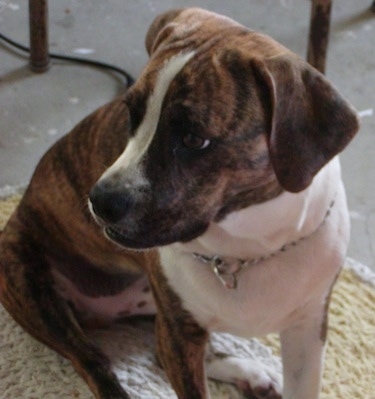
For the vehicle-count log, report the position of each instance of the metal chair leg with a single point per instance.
(38, 14)
(319, 33)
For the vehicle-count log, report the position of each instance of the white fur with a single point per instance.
(138, 145)
(246, 373)
(285, 293)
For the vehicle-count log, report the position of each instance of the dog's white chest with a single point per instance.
(273, 292)
(266, 296)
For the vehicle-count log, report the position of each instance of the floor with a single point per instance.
(37, 109)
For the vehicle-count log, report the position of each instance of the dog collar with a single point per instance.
(227, 269)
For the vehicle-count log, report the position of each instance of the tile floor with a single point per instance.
(37, 109)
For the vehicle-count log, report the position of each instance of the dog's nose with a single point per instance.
(108, 203)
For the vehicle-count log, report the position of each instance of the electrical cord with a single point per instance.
(79, 60)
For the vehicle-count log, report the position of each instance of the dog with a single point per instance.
(210, 195)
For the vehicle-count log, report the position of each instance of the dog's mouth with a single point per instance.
(120, 238)
(149, 240)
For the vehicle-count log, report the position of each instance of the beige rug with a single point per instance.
(29, 370)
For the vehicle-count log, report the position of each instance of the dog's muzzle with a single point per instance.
(119, 211)
(137, 216)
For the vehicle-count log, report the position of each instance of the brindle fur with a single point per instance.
(52, 228)
(232, 95)
(177, 324)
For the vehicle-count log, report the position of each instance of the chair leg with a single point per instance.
(319, 33)
(38, 14)
(373, 6)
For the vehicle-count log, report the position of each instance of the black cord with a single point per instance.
(99, 64)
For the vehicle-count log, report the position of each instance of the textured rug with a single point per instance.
(29, 370)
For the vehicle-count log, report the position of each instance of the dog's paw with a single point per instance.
(254, 379)
(266, 390)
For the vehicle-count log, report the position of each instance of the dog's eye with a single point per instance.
(195, 142)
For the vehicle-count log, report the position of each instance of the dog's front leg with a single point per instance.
(181, 351)
(181, 343)
(302, 347)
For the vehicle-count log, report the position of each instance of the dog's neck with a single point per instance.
(261, 230)
(227, 270)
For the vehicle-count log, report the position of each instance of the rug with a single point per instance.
(29, 370)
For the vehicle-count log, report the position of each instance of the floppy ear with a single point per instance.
(310, 124)
(160, 29)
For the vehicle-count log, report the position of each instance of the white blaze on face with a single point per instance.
(139, 144)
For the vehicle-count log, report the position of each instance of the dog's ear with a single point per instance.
(160, 29)
(310, 121)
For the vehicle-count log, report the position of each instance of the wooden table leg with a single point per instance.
(38, 14)
(319, 33)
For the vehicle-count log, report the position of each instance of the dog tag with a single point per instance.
(228, 280)
(226, 273)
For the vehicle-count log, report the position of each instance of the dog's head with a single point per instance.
(221, 118)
